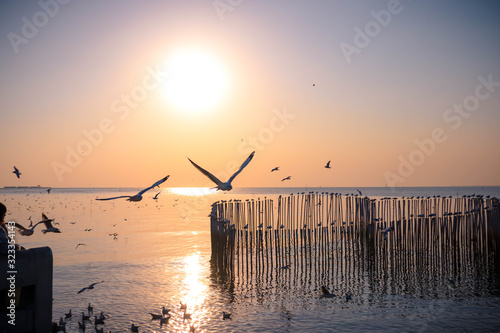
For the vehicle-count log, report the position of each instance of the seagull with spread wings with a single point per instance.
(48, 227)
(91, 286)
(220, 185)
(328, 165)
(138, 196)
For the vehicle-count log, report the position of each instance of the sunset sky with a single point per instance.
(121, 93)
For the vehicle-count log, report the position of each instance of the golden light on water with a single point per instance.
(192, 191)
(195, 288)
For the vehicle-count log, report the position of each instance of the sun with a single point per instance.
(196, 81)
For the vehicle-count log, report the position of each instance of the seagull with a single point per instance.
(89, 287)
(79, 245)
(183, 306)
(85, 317)
(164, 310)
(98, 321)
(156, 195)
(326, 293)
(328, 165)
(134, 328)
(69, 314)
(220, 185)
(287, 178)
(155, 316)
(226, 315)
(48, 225)
(90, 308)
(386, 231)
(138, 196)
(61, 321)
(275, 169)
(17, 172)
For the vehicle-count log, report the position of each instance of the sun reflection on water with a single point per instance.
(192, 191)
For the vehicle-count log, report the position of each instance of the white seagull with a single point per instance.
(220, 185)
(138, 196)
(17, 172)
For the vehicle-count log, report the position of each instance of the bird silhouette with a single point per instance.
(138, 196)
(221, 185)
(328, 165)
(91, 286)
(16, 171)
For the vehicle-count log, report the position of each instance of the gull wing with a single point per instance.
(122, 196)
(206, 173)
(82, 290)
(249, 158)
(158, 183)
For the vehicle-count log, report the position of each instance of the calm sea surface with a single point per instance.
(156, 253)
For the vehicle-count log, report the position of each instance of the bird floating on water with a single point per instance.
(138, 196)
(325, 293)
(16, 171)
(85, 317)
(91, 286)
(221, 185)
(155, 316)
(226, 315)
(134, 328)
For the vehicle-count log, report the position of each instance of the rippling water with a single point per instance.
(161, 257)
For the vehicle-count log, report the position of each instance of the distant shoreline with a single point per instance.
(26, 186)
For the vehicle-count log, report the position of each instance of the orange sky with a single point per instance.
(401, 95)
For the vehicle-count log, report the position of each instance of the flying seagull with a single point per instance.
(275, 169)
(287, 178)
(79, 245)
(48, 225)
(89, 287)
(17, 172)
(220, 185)
(386, 231)
(138, 196)
(328, 165)
(156, 195)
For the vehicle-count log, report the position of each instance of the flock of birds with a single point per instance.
(163, 318)
(223, 186)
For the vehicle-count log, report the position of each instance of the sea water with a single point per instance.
(156, 253)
